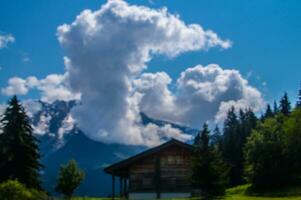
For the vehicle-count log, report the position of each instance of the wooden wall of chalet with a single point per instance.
(166, 171)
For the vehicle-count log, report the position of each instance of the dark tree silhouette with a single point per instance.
(231, 147)
(275, 109)
(217, 138)
(268, 112)
(20, 157)
(236, 132)
(208, 169)
(299, 98)
(285, 105)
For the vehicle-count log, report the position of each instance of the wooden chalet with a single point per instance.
(160, 172)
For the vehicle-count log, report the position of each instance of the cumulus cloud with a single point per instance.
(5, 39)
(106, 49)
(202, 93)
(52, 87)
(16, 85)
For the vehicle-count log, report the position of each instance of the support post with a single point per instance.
(113, 187)
(158, 177)
(120, 186)
(124, 186)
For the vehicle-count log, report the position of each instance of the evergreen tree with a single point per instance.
(231, 147)
(208, 169)
(275, 109)
(268, 113)
(70, 176)
(19, 148)
(217, 138)
(236, 132)
(285, 105)
(299, 98)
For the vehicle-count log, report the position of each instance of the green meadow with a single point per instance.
(240, 193)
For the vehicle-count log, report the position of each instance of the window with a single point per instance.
(171, 160)
(176, 159)
(179, 159)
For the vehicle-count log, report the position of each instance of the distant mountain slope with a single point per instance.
(58, 145)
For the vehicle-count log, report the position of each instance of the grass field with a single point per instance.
(239, 193)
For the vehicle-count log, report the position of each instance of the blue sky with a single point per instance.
(265, 35)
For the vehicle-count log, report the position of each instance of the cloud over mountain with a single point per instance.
(106, 52)
(106, 49)
(202, 93)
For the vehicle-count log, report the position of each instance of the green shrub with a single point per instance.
(13, 190)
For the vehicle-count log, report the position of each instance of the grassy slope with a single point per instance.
(238, 193)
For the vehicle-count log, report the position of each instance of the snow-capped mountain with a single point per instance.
(61, 140)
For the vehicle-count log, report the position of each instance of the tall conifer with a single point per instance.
(299, 98)
(18, 147)
(217, 138)
(275, 109)
(285, 105)
(268, 112)
(236, 132)
(208, 169)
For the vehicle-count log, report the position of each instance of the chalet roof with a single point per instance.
(117, 167)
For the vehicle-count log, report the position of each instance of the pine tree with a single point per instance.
(217, 138)
(275, 109)
(236, 132)
(285, 105)
(299, 99)
(208, 169)
(231, 147)
(19, 148)
(268, 113)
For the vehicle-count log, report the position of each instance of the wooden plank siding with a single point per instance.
(173, 169)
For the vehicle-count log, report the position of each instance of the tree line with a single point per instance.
(263, 151)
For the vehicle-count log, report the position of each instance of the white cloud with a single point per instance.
(52, 87)
(25, 58)
(43, 125)
(16, 85)
(156, 98)
(5, 39)
(32, 107)
(67, 125)
(2, 110)
(106, 49)
(201, 93)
